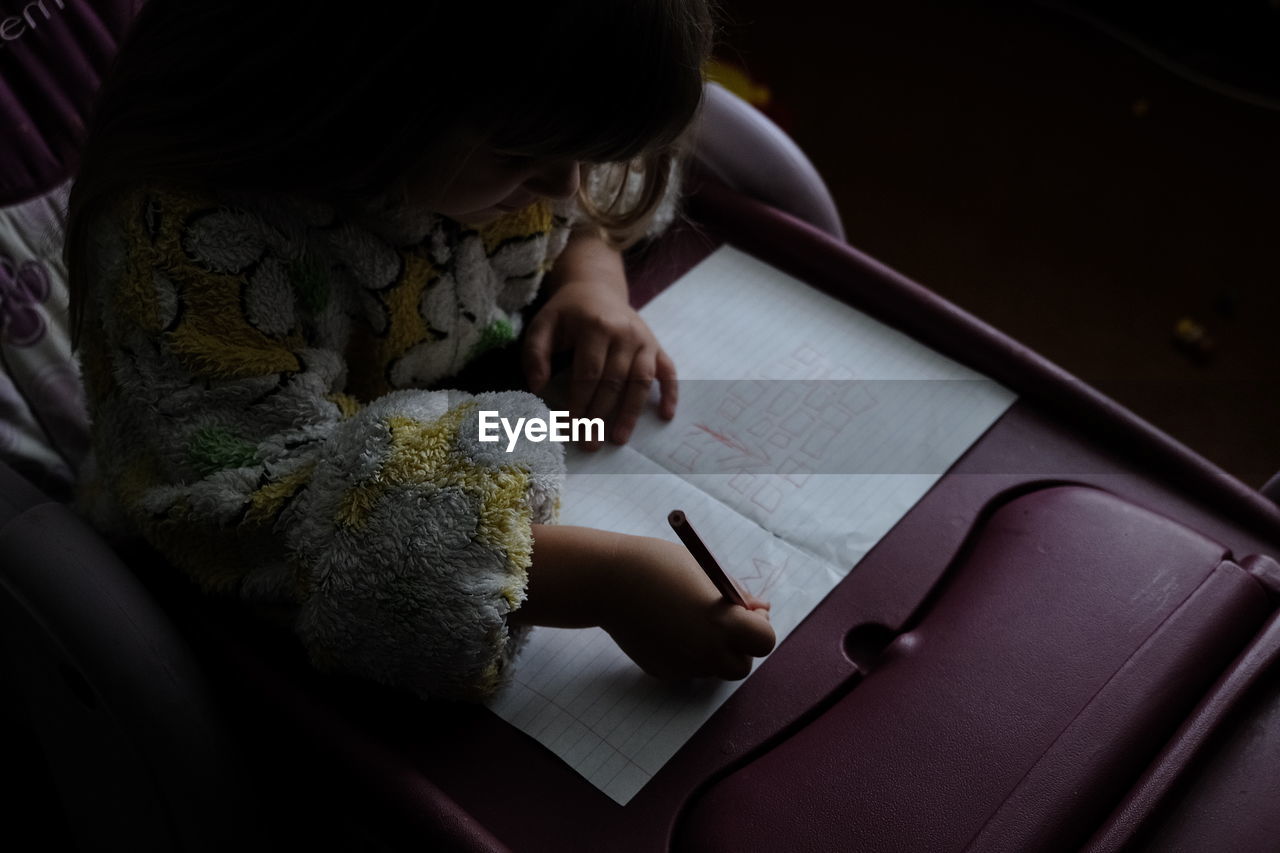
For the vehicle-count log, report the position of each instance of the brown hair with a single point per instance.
(337, 102)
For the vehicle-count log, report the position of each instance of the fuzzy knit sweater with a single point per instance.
(258, 375)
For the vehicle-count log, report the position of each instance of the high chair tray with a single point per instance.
(1041, 650)
(1062, 646)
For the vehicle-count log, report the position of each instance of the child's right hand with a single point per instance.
(664, 612)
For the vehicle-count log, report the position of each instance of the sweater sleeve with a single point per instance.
(399, 539)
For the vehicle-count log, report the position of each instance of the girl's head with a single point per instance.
(352, 103)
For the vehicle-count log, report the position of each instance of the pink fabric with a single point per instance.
(43, 422)
(52, 57)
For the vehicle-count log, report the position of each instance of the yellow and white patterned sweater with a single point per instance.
(255, 373)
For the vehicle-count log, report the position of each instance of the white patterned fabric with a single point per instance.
(43, 423)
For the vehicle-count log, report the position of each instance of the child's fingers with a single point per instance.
(665, 373)
(537, 352)
(588, 366)
(612, 383)
(635, 394)
(750, 633)
(736, 667)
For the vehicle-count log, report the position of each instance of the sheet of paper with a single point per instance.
(805, 431)
(579, 695)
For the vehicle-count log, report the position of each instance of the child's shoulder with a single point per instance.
(215, 227)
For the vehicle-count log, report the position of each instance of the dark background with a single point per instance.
(1031, 163)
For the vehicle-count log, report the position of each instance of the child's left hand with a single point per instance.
(615, 355)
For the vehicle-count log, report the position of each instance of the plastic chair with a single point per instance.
(137, 718)
(739, 145)
(136, 746)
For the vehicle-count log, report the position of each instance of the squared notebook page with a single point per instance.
(578, 694)
(871, 420)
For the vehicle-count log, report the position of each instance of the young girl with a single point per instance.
(294, 224)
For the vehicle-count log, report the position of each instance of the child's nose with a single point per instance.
(556, 180)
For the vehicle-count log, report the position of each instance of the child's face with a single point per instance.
(467, 180)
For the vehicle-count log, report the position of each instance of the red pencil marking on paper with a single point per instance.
(734, 444)
(767, 574)
(726, 440)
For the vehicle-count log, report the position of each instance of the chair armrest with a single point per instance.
(745, 149)
(124, 716)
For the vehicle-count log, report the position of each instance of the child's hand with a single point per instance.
(615, 355)
(665, 613)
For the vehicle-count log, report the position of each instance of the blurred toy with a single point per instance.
(1193, 340)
